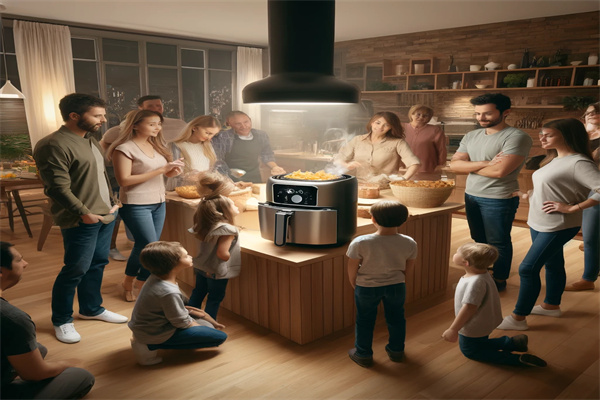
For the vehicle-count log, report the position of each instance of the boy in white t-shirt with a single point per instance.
(377, 268)
(478, 312)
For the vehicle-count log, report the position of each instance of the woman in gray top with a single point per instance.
(560, 194)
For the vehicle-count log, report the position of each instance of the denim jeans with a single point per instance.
(196, 337)
(86, 254)
(546, 249)
(591, 243)
(484, 349)
(490, 221)
(215, 288)
(145, 221)
(367, 300)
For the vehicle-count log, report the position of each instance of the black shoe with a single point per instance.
(500, 284)
(532, 361)
(520, 343)
(395, 356)
(365, 362)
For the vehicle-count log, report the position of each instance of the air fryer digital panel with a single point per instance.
(295, 195)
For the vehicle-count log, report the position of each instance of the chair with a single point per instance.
(47, 224)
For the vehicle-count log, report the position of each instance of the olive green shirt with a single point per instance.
(69, 169)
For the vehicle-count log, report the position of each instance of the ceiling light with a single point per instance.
(301, 39)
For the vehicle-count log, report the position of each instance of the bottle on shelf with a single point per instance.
(525, 59)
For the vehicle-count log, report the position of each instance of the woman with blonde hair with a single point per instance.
(140, 159)
(193, 145)
(382, 150)
(427, 142)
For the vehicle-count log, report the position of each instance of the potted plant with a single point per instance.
(577, 103)
(515, 80)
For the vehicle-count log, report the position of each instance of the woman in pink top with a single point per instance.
(428, 142)
(140, 160)
(382, 150)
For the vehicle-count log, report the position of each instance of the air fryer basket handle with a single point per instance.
(282, 219)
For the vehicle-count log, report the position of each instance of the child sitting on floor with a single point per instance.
(160, 318)
(478, 312)
(377, 268)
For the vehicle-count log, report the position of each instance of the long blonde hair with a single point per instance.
(203, 121)
(128, 133)
(214, 207)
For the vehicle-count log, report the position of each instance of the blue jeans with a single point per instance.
(196, 337)
(490, 221)
(215, 288)
(546, 249)
(484, 349)
(591, 242)
(367, 300)
(86, 254)
(145, 221)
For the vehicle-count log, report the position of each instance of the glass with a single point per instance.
(122, 90)
(192, 85)
(120, 50)
(83, 49)
(161, 54)
(220, 59)
(86, 77)
(192, 58)
(164, 82)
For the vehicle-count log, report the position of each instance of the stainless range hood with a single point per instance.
(301, 37)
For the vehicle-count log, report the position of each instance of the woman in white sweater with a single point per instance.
(140, 160)
(560, 194)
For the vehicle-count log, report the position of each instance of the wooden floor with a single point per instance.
(254, 363)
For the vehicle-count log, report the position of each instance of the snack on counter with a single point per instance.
(424, 184)
(364, 212)
(188, 192)
(368, 191)
(311, 176)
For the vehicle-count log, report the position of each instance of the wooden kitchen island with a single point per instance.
(302, 292)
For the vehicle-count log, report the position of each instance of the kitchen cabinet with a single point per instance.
(302, 292)
(545, 78)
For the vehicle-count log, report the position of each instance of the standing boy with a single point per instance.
(493, 157)
(478, 312)
(71, 165)
(377, 267)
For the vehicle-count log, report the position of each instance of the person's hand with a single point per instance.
(353, 165)
(173, 168)
(497, 159)
(277, 170)
(219, 326)
(91, 218)
(114, 209)
(195, 312)
(550, 207)
(450, 335)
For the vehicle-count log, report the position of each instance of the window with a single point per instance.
(85, 66)
(11, 59)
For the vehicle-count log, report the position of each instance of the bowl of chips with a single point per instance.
(422, 194)
(188, 192)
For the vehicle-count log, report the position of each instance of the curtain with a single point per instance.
(249, 69)
(45, 64)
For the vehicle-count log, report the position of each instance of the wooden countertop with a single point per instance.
(252, 242)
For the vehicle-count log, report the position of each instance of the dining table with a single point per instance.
(10, 189)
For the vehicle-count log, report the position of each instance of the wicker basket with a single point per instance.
(240, 197)
(421, 197)
(187, 192)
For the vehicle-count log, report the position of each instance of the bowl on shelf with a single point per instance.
(479, 86)
(474, 67)
(576, 62)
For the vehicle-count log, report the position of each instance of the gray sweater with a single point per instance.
(159, 311)
(567, 180)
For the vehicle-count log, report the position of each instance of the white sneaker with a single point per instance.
(66, 333)
(511, 324)
(539, 310)
(107, 316)
(143, 355)
(116, 255)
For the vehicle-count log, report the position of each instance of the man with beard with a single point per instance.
(71, 165)
(493, 157)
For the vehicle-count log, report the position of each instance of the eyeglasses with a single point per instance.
(589, 114)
